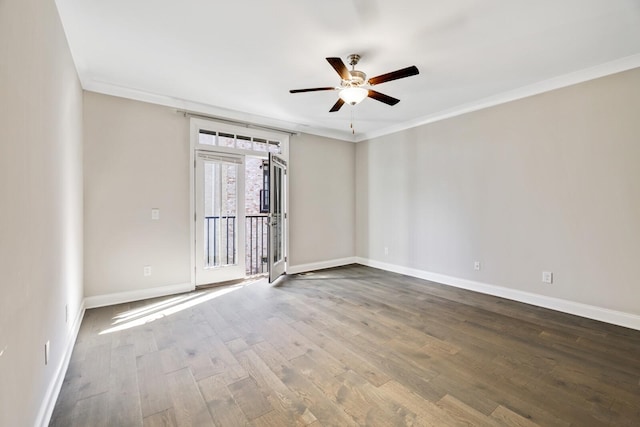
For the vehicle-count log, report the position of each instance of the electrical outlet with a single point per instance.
(46, 352)
(386, 250)
(547, 277)
(155, 213)
(476, 265)
(147, 270)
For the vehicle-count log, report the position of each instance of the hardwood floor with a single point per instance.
(347, 346)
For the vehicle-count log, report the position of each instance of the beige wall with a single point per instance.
(550, 182)
(41, 211)
(136, 158)
(322, 207)
(546, 183)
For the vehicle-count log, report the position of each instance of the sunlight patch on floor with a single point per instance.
(148, 314)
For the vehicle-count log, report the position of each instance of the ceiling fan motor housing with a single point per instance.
(358, 78)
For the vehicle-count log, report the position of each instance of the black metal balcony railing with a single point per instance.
(256, 242)
(225, 226)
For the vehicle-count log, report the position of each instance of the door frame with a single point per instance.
(196, 124)
(277, 267)
(222, 272)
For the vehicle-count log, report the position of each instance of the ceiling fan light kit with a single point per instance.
(353, 95)
(354, 86)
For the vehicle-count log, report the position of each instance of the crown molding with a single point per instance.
(208, 110)
(591, 73)
(595, 72)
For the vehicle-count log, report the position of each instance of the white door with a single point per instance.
(220, 217)
(277, 217)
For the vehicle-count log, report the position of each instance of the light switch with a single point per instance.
(155, 213)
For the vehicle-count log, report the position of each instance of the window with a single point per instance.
(241, 142)
(264, 193)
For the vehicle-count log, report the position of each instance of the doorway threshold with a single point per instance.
(245, 280)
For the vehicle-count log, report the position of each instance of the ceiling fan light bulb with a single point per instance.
(353, 95)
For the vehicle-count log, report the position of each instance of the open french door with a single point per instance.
(220, 217)
(277, 217)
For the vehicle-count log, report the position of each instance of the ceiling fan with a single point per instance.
(354, 86)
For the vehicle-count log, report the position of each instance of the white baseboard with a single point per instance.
(614, 317)
(137, 295)
(302, 268)
(51, 397)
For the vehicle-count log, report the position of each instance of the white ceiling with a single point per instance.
(238, 59)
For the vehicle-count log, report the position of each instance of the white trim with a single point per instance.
(137, 295)
(301, 268)
(592, 73)
(620, 318)
(210, 110)
(53, 391)
(198, 123)
(194, 130)
(236, 270)
(219, 125)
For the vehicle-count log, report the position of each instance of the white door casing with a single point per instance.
(219, 217)
(214, 137)
(277, 217)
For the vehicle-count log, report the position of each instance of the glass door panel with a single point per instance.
(220, 210)
(220, 218)
(277, 217)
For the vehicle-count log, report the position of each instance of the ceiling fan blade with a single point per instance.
(340, 68)
(339, 103)
(383, 98)
(313, 89)
(394, 75)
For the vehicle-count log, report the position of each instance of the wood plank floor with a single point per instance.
(347, 346)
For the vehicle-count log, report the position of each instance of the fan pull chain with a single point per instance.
(353, 131)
